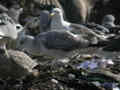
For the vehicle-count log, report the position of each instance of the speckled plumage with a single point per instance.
(17, 66)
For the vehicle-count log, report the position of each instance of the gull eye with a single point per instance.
(17, 27)
(35, 19)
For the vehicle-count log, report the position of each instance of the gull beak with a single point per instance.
(52, 14)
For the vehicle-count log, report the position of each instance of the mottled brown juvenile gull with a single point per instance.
(38, 23)
(17, 66)
(8, 30)
(58, 44)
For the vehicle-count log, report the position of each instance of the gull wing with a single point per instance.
(58, 40)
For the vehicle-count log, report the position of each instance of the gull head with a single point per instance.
(8, 27)
(57, 21)
(10, 31)
(13, 34)
(108, 21)
(109, 18)
(34, 22)
(56, 11)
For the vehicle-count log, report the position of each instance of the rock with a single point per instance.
(113, 45)
(71, 76)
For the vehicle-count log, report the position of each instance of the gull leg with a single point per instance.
(6, 52)
(3, 47)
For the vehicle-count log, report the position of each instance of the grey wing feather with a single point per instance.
(102, 28)
(58, 40)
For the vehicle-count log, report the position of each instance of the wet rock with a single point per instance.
(71, 76)
(113, 45)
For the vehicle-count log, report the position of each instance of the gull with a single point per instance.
(33, 26)
(57, 20)
(109, 22)
(58, 23)
(39, 23)
(8, 31)
(17, 66)
(58, 44)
